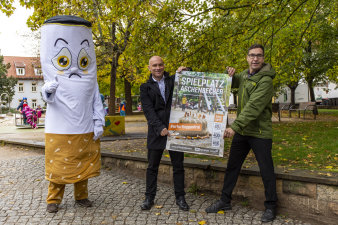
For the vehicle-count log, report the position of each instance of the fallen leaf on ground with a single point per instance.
(158, 206)
(202, 222)
(157, 214)
(124, 182)
(220, 212)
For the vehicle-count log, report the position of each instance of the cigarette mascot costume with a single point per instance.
(75, 115)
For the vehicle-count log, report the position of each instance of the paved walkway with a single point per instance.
(116, 197)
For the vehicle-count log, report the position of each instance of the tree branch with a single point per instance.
(287, 19)
(308, 25)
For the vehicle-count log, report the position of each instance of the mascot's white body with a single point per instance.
(75, 115)
(76, 102)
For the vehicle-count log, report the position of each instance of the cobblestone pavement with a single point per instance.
(116, 197)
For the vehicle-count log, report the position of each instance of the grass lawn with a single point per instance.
(328, 112)
(308, 145)
(305, 144)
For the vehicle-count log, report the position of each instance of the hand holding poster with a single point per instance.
(199, 113)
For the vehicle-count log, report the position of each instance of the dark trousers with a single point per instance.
(240, 148)
(154, 158)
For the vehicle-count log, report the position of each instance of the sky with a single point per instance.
(14, 34)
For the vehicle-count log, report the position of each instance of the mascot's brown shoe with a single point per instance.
(52, 208)
(84, 202)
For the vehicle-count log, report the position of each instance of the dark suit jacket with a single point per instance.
(156, 110)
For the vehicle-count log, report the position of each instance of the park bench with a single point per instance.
(275, 109)
(282, 107)
(303, 107)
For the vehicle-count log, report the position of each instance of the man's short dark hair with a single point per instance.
(256, 46)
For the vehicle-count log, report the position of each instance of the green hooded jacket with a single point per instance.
(254, 103)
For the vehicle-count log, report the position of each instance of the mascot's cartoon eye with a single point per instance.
(62, 60)
(83, 60)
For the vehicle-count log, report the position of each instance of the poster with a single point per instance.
(199, 113)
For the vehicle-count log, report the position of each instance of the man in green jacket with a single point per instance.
(251, 130)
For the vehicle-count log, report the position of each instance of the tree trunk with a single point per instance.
(293, 93)
(111, 106)
(293, 96)
(310, 78)
(127, 94)
(235, 99)
(312, 93)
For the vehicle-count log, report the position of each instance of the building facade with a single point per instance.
(30, 80)
(323, 93)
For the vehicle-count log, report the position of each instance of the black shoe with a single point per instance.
(218, 206)
(269, 215)
(52, 208)
(84, 202)
(182, 204)
(147, 204)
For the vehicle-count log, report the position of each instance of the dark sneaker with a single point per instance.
(52, 208)
(268, 215)
(84, 202)
(182, 204)
(147, 204)
(218, 206)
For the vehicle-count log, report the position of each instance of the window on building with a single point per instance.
(20, 87)
(20, 71)
(37, 71)
(34, 103)
(33, 87)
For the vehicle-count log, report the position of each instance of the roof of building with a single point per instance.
(28, 63)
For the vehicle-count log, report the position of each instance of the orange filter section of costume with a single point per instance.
(71, 158)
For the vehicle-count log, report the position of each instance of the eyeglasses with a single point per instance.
(252, 56)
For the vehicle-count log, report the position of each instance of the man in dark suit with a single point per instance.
(156, 96)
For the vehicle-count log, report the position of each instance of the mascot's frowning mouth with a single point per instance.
(74, 74)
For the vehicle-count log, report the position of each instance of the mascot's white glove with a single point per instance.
(98, 130)
(50, 87)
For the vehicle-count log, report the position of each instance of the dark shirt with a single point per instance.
(251, 74)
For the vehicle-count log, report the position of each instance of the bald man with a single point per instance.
(156, 96)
